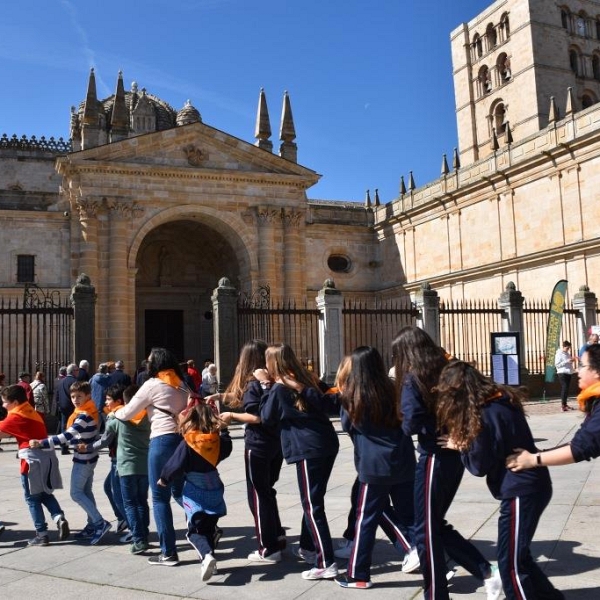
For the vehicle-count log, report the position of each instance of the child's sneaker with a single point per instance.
(269, 559)
(39, 540)
(127, 538)
(346, 581)
(167, 561)
(86, 533)
(99, 532)
(493, 584)
(122, 525)
(207, 567)
(139, 547)
(411, 561)
(344, 550)
(63, 529)
(316, 573)
(308, 556)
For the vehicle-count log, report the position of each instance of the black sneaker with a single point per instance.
(63, 529)
(86, 533)
(161, 559)
(39, 540)
(100, 532)
(122, 526)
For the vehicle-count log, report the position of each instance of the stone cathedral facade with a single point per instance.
(155, 205)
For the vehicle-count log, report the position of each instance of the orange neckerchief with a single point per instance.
(27, 411)
(493, 397)
(169, 377)
(592, 391)
(88, 407)
(207, 445)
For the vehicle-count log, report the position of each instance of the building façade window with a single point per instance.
(484, 81)
(596, 66)
(504, 27)
(565, 17)
(338, 263)
(574, 62)
(498, 118)
(25, 268)
(587, 100)
(491, 36)
(503, 68)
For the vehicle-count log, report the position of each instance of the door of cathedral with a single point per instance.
(164, 328)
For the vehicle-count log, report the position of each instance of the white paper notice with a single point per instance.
(513, 369)
(498, 368)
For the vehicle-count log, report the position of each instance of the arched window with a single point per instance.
(580, 24)
(598, 29)
(503, 68)
(477, 46)
(490, 34)
(587, 100)
(484, 81)
(564, 18)
(499, 118)
(505, 27)
(574, 61)
(596, 67)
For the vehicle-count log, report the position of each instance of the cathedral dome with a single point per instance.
(188, 114)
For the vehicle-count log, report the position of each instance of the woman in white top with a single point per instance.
(163, 396)
(563, 361)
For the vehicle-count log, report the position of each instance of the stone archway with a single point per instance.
(178, 265)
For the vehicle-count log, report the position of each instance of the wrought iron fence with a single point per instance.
(280, 322)
(465, 327)
(376, 323)
(535, 322)
(36, 334)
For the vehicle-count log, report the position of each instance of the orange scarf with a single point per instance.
(88, 407)
(207, 445)
(138, 418)
(27, 411)
(592, 391)
(169, 377)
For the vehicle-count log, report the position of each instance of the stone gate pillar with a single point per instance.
(225, 328)
(428, 303)
(331, 330)
(83, 300)
(511, 301)
(585, 303)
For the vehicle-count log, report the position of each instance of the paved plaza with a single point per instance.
(567, 542)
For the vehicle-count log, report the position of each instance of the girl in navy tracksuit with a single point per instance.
(383, 455)
(486, 422)
(309, 441)
(263, 457)
(419, 362)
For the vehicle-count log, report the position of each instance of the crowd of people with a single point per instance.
(168, 432)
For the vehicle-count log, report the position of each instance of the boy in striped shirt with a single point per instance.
(82, 428)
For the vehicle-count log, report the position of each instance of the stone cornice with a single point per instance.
(161, 172)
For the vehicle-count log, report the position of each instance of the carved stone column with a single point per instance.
(269, 229)
(428, 303)
(88, 253)
(83, 299)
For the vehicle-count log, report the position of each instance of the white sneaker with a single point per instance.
(308, 556)
(207, 567)
(411, 561)
(270, 559)
(493, 584)
(327, 573)
(344, 549)
(127, 538)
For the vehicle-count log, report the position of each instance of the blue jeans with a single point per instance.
(35, 503)
(134, 489)
(82, 477)
(161, 449)
(112, 489)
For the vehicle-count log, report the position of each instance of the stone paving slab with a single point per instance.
(567, 543)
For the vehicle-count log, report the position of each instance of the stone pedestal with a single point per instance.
(83, 299)
(331, 331)
(224, 302)
(428, 303)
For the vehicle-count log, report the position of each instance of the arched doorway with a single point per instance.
(179, 263)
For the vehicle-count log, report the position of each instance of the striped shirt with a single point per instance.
(84, 430)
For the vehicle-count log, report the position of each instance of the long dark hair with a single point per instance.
(416, 353)
(462, 392)
(162, 359)
(282, 362)
(252, 357)
(367, 393)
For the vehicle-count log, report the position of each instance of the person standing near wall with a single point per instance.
(564, 361)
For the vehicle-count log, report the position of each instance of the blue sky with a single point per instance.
(370, 81)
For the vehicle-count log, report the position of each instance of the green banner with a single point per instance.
(555, 315)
